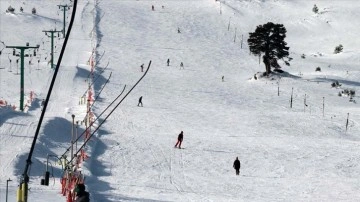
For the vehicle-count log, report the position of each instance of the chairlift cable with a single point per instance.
(94, 120)
(25, 177)
(97, 128)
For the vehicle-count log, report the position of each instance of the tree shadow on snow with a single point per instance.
(82, 72)
(97, 194)
(98, 168)
(101, 131)
(105, 198)
(8, 113)
(37, 167)
(35, 104)
(285, 74)
(341, 81)
(98, 80)
(57, 130)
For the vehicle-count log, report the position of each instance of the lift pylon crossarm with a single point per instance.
(22, 55)
(52, 32)
(64, 9)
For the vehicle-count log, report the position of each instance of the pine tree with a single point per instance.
(269, 40)
(338, 49)
(315, 9)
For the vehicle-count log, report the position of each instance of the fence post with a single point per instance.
(291, 98)
(305, 105)
(347, 122)
(323, 106)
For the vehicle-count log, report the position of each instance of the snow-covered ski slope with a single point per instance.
(287, 154)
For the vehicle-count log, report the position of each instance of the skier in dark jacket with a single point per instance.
(180, 139)
(42, 104)
(181, 65)
(168, 61)
(236, 166)
(81, 194)
(140, 102)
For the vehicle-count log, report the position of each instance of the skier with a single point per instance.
(168, 61)
(140, 102)
(42, 104)
(180, 139)
(222, 78)
(81, 194)
(236, 166)
(179, 30)
(142, 67)
(152, 7)
(181, 65)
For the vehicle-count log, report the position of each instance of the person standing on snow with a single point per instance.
(42, 104)
(140, 102)
(142, 67)
(236, 166)
(81, 194)
(181, 65)
(180, 139)
(168, 61)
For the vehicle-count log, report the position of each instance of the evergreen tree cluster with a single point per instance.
(338, 49)
(315, 9)
(268, 39)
